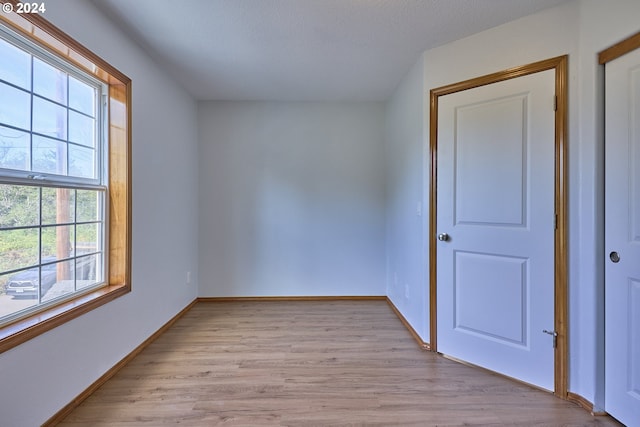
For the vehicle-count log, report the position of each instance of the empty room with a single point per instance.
(319, 212)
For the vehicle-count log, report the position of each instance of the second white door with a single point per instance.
(496, 224)
(622, 238)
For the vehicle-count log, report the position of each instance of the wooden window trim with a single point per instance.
(118, 275)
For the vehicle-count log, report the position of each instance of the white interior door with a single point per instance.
(495, 202)
(622, 239)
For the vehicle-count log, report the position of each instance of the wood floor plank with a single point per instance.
(299, 363)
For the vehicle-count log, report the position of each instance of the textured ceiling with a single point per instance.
(301, 49)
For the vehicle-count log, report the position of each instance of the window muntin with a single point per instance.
(52, 179)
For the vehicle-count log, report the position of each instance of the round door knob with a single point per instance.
(443, 237)
(614, 256)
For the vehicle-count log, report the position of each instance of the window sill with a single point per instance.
(30, 327)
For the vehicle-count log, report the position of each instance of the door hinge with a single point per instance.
(555, 103)
(555, 222)
(555, 337)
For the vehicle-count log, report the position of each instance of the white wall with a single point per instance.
(407, 284)
(579, 29)
(291, 199)
(44, 374)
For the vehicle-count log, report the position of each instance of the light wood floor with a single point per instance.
(309, 363)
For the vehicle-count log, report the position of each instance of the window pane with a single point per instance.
(54, 247)
(15, 107)
(58, 205)
(81, 161)
(81, 129)
(18, 248)
(17, 292)
(19, 206)
(57, 280)
(82, 97)
(14, 149)
(15, 66)
(88, 271)
(57, 242)
(49, 82)
(87, 239)
(49, 119)
(88, 205)
(49, 156)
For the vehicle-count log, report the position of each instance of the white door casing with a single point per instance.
(622, 236)
(495, 201)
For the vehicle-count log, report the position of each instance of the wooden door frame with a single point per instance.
(560, 65)
(621, 48)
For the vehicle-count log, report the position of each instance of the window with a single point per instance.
(52, 192)
(64, 179)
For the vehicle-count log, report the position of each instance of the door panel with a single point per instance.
(495, 199)
(475, 189)
(622, 235)
(504, 279)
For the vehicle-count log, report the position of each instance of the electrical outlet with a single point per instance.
(406, 290)
(188, 277)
